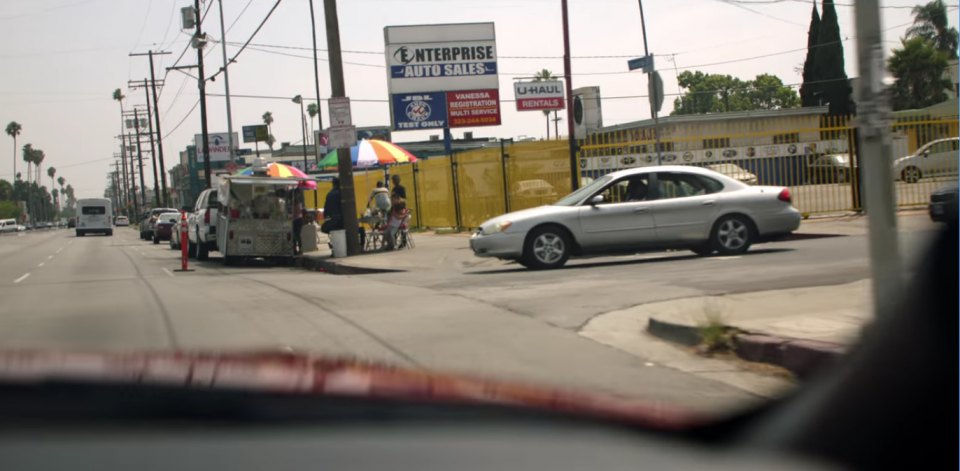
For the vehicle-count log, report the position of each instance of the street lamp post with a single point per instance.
(303, 127)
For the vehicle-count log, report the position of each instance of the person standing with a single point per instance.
(398, 195)
(332, 209)
(297, 197)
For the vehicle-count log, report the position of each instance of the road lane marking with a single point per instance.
(41, 264)
(60, 250)
(49, 257)
(168, 272)
(24, 277)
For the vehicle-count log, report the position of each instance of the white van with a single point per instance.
(9, 225)
(94, 215)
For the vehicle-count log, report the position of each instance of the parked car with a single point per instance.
(121, 221)
(534, 188)
(71, 223)
(147, 226)
(175, 234)
(691, 207)
(163, 228)
(938, 157)
(735, 172)
(8, 225)
(829, 168)
(202, 225)
(943, 203)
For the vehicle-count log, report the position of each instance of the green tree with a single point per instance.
(6, 190)
(9, 210)
(37, 160)
(13, 130)
(29, 154)
(714, 93)
(834, 87)
(918, 68)
(808, 90)
(51, 172)
(930, 23)
(61, 181)
(542, 76)
(56, 198)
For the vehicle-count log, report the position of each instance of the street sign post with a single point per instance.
(341, 137)
(645, 63)
(655, 91)
(340, 112)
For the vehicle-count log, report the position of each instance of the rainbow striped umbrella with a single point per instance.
(371, 152)
(283, 171)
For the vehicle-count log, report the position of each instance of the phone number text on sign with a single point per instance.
(473, 108)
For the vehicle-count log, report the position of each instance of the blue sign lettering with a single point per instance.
(443, 70)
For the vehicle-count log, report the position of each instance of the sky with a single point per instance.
(62, 59)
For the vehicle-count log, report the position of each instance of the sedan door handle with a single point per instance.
(709, 203)
(639, 210)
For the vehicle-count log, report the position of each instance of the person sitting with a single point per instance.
(380, 196)
(636, 191)
(397, 219)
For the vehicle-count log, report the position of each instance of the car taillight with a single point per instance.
(234, 214)
(206, 216)
(784, 195)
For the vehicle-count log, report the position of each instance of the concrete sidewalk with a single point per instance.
(799, 329)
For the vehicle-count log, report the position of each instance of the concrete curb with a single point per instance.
(336, 267)
(799, 356)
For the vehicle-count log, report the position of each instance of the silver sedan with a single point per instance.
(642, 209)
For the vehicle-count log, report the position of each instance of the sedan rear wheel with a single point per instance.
(732, 235)
(546, 248)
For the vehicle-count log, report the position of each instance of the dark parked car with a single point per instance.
(943, 203)
(147, 224)
(163, 228)
(71, 223)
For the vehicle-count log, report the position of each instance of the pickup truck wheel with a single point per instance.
(203, 251)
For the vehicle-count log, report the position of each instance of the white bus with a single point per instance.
(94, 215)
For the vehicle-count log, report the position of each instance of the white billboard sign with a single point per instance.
(440, 58)
(544, 95)
(219, 146)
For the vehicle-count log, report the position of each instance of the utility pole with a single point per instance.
(571, 139)
(156, 118)
(143, 190)
(344, 164)
(653, 109)
(126, 181)
(198, 42)
(226, 80)
(316, 71)
(153, 151)
(873, 123)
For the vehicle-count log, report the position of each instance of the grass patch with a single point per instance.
(715, 335)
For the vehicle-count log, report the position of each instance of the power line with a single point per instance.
(244, 10)
(263, 22)
(182, 120)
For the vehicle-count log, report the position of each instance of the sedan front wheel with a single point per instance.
(732, 235)
(546, 248)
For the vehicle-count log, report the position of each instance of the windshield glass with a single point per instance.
(577, 196)
(437, 218)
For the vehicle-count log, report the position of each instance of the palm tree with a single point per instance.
(13, 130)
(29, 154)
(543, 76)
(313, 110)
(51, 171)
(37, 160)
(61, 181)
(268, 120)
(930, 23)
(56, 199)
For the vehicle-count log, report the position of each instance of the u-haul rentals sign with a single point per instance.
(538, 96)
(427, 63)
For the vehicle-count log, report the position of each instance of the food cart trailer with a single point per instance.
(256, 219)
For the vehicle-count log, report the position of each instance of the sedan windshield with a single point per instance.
(577, 196)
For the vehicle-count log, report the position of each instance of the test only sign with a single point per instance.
(539, 96)
(442, 76)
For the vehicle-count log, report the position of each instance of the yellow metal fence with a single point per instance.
(814, 156)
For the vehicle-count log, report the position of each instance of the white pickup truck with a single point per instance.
(202, 225)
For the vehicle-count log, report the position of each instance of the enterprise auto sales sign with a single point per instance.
(424, 63)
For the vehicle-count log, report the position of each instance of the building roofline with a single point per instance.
(693, 118)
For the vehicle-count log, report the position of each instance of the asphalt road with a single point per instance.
(59, 291)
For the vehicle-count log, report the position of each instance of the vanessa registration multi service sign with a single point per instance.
(442, 76)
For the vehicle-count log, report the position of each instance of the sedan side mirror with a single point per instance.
(597, 199)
